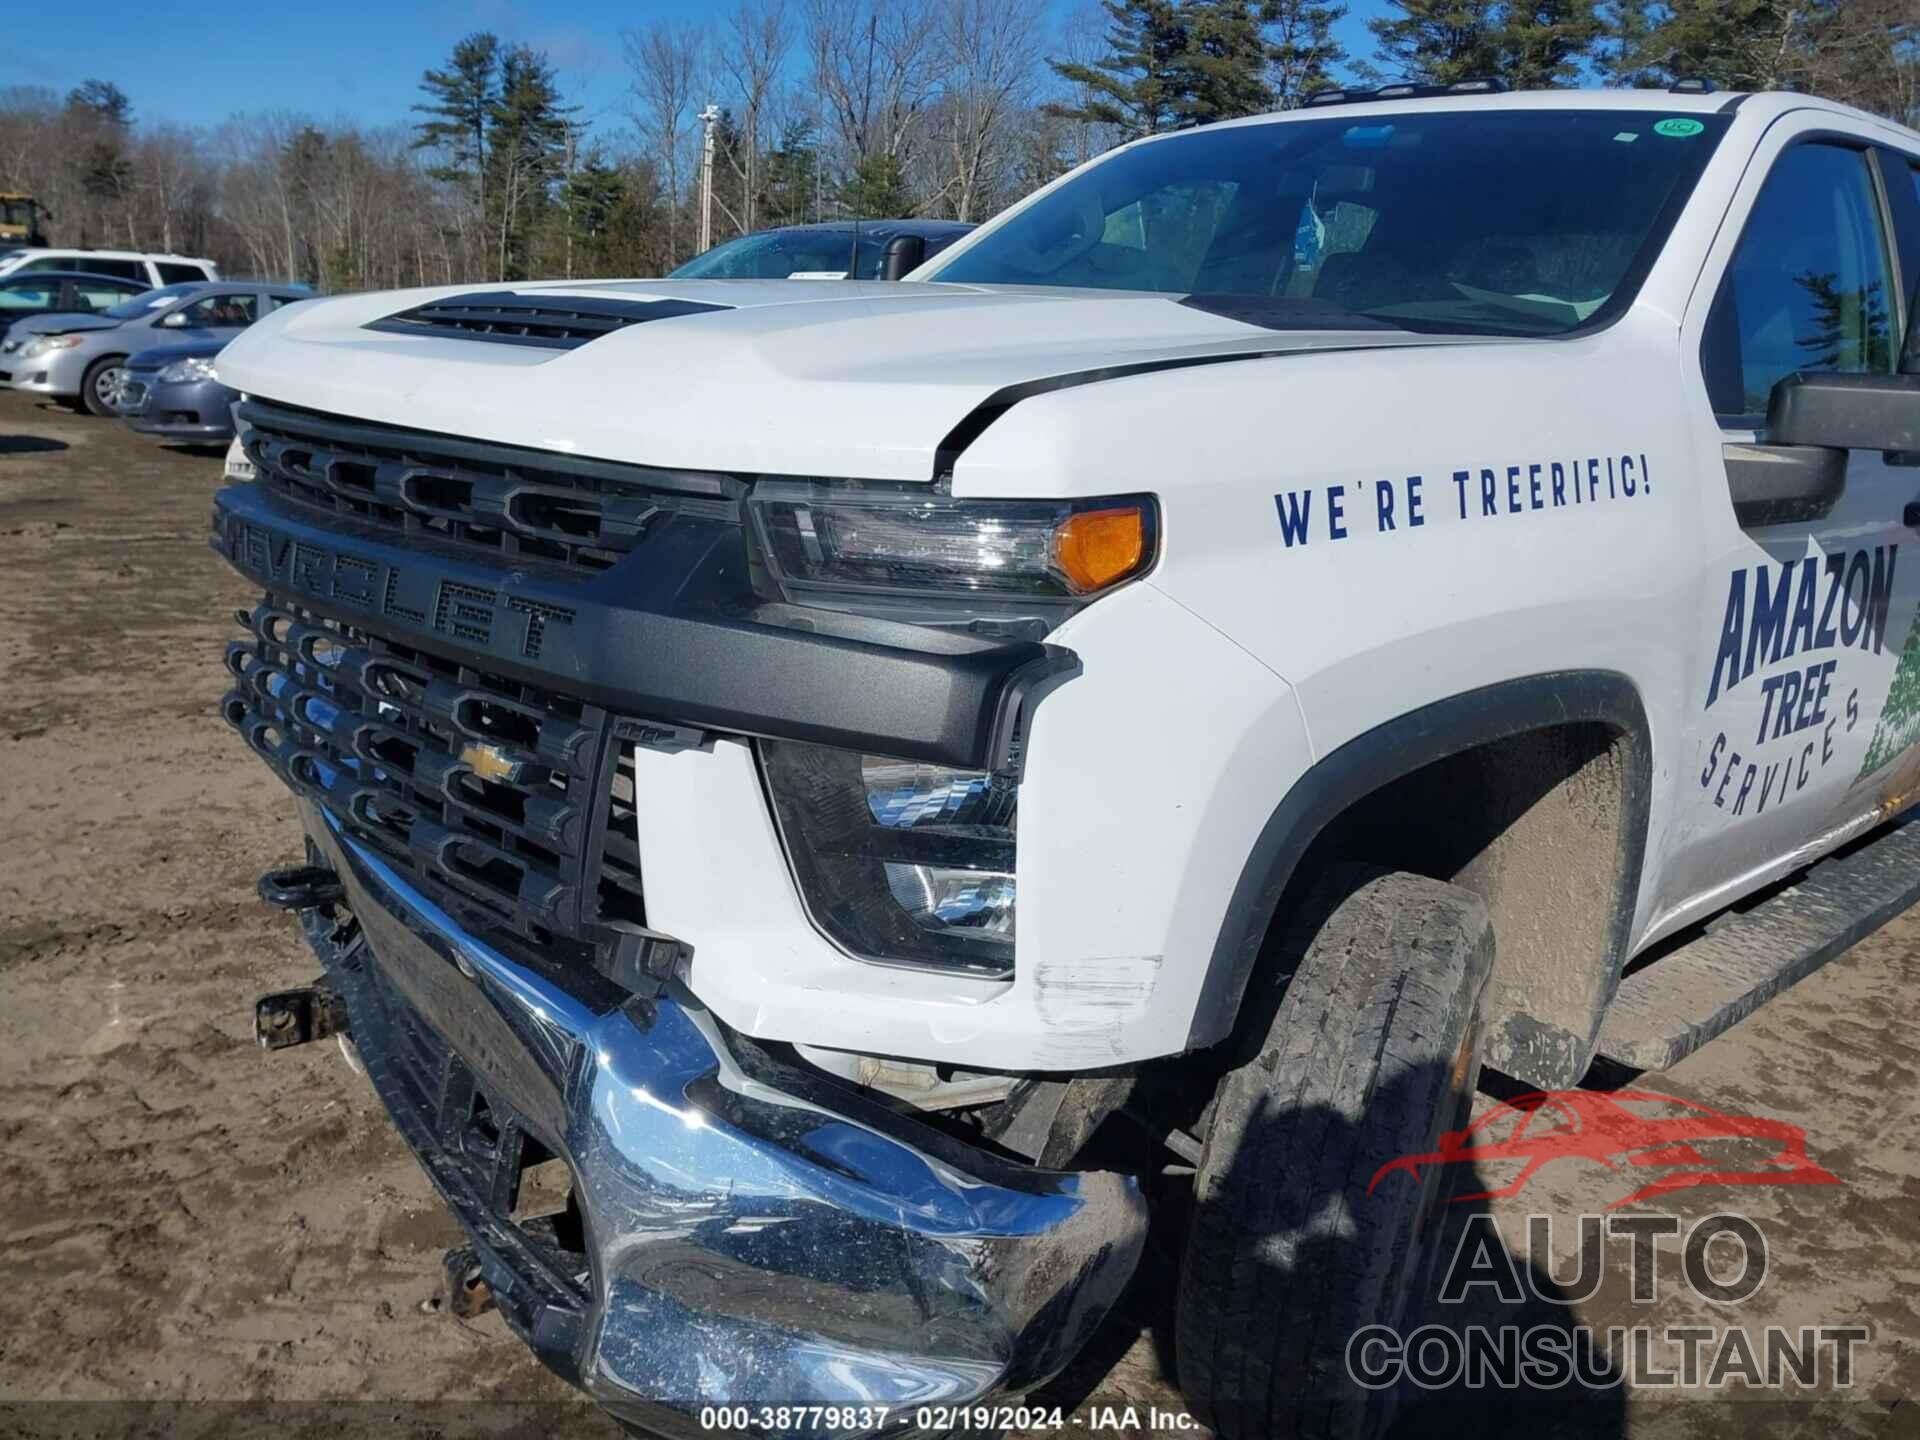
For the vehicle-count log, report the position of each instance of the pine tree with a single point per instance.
(1622, 56)
(1438, 41)
(793, 176)
(101, 100)
(526, 139)
(1221, 66)
(1543, 42)
(1525, 44)
(461, 98)
(1302, 53)
(877, 189)
(1737, 44)
(1140, 83)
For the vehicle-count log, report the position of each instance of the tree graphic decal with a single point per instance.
(1899, 725)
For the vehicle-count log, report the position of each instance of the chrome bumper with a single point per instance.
(751, 1236)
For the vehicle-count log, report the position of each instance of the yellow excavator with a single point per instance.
(20, 217)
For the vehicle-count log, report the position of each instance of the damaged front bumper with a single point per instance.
(741, 1232)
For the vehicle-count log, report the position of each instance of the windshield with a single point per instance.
(1522, 222)
(148, 300)
(16, 212)
(772, 255)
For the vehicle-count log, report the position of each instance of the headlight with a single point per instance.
(41, 344)
(182, 371)
(883, 547)
(898, 862)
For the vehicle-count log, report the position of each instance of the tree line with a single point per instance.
(834, 108)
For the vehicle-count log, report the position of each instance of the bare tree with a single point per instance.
(876, 65)
(989, 46)
(753, 49)
(666, 66)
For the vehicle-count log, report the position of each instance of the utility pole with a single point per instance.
(707, 117)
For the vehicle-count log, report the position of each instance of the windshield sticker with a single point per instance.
(1627, 137)
(1678, 129)
(1481, 492)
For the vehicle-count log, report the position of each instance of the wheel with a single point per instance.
(100, 387)
(1373, 1051)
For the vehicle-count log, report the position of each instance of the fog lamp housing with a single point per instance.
(899, 863)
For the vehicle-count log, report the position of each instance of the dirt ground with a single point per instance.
(186, 1219)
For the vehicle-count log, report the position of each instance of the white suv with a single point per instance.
(1294, 611)
(155, 270)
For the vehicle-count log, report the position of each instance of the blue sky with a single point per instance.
(210, 59)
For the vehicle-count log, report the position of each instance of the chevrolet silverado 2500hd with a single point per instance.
(1294, 612)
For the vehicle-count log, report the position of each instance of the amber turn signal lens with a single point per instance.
(1094, 548)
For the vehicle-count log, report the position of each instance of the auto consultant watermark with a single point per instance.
(1658, 1144)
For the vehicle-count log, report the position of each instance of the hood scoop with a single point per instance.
(551, 322)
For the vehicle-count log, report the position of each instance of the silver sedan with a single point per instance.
(81, 359)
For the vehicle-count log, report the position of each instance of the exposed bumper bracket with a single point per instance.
(294, 1017)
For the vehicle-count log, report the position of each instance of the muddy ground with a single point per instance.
(185, 1219)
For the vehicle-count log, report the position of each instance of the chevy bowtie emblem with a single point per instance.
(490, 762)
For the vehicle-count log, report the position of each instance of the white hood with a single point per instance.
(858, 379)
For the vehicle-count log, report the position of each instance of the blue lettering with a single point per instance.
(1295, 507)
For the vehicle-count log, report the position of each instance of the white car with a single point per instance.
(1351, 583)
(152, 268)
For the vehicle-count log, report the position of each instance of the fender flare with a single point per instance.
(1398, 747)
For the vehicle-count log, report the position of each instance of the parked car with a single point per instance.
(59, 292)
(80, 359)
(140, 265)
(170, 392)
(838, 250)
(803, 767)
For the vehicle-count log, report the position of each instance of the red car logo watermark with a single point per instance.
(1664, 1133)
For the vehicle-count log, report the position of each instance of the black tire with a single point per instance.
(91, 400)
(1372, 1052)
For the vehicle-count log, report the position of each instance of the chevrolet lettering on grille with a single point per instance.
(477, 615)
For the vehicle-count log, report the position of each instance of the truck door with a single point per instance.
(1808, 700)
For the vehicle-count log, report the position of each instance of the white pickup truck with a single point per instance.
(798, 778)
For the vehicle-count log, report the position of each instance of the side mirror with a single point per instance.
(1846, 412)
(903, 253)
(176, 321)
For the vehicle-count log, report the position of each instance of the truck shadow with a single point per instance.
(29, 445)
(1513, 1299)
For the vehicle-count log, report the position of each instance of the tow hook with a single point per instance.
(294, 1017)
(301, 887)
(467, 1293)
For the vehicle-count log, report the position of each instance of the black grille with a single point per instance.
(552, 322)
(509, 805)
(514, 503)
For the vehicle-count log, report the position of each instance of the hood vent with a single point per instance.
(551, 322)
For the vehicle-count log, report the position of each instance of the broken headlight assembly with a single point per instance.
(899, 862)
